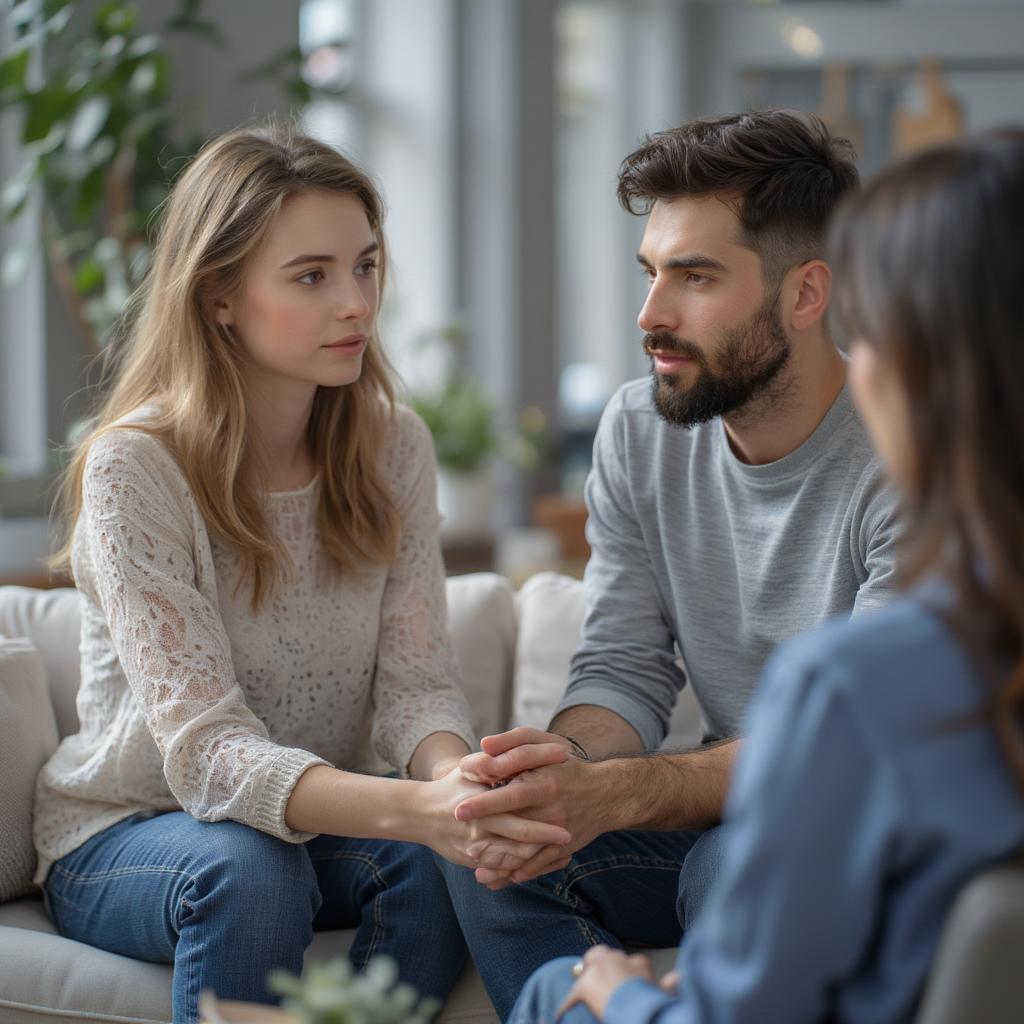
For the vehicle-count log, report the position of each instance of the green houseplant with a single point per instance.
(464, 425)
(333, 993)
(100, 140)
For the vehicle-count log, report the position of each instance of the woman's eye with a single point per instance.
(366, 267)
(311, 277)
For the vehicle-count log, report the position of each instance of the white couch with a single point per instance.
(514, 651)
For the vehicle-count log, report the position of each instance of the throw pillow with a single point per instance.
(28, 736)
(550, 609)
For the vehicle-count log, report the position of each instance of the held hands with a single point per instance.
(501, 842)
(544, 784)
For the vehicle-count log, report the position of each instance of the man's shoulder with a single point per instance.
(634, 397)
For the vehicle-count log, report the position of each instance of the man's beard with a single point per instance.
(749, 361)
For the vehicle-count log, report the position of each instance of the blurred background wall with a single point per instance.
(495, 128)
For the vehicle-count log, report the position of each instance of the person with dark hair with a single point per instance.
(885, 760)
(734, 502)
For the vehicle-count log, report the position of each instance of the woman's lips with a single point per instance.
(350, 345)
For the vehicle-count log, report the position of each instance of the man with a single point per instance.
(734, 501)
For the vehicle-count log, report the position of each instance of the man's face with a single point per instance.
(712, 331)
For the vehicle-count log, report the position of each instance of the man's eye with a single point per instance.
(311, 277)
(697, 278)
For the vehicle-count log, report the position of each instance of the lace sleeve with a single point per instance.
(416, 688)
(135, 556)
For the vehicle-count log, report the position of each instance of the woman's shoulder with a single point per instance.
(406, 443)
(894, 660)
(408, 432)
(132, 450)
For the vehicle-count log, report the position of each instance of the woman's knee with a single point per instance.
(544, 992)
(240, 863)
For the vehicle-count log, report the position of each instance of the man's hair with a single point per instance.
(781, 169)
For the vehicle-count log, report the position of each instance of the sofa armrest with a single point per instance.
(976, 976)
(51, 620)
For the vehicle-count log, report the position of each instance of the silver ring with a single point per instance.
(577, 968)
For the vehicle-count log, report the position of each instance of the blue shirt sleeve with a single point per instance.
(813, 814)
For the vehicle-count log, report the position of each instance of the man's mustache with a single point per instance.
(670, 345)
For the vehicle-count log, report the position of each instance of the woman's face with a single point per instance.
(883, 408)
(306, 307)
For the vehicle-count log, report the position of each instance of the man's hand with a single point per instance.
(508, 754)
(603, 970)
(501, 842)
(567, 794)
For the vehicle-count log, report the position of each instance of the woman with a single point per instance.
(255, 540)
(885, 763)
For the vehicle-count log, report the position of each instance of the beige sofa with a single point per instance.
(514, 650)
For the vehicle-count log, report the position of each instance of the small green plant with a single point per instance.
(463, 421)
(333, 993)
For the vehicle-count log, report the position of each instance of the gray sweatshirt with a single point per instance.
(692, 548)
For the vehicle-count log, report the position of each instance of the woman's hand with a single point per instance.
(500, 841)
(603, 970)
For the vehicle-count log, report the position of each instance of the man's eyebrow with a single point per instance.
(326, 258)
(695, 261)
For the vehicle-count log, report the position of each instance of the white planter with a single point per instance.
(466, 502)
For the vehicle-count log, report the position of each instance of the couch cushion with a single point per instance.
(550, 609)
(50, 619)
(482, 622)
(28, 736)
(45, 976)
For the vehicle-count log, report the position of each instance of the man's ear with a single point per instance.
(808, 288)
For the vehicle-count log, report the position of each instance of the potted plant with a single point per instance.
(464, 424)
(332, 993)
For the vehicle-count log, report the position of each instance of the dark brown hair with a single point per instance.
(783, 170)
(929, 273)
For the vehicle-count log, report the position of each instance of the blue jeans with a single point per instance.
(226, 904)
(624, 889)
(544, 994)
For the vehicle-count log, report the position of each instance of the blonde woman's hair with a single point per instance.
(179, 359)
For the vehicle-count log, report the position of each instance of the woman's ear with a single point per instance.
(812, 286)
(223, 311)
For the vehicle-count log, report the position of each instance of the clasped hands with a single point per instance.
(538, 784)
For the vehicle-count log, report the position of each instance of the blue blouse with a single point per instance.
(861, 804)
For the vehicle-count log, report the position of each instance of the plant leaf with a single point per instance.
(17, 191)
(12, 71)
(87, 123)
(17, 259)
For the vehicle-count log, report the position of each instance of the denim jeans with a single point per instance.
(544, 994)
(226, 903)
(625, 889)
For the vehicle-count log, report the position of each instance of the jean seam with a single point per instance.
(579, 872)
(382, 886)
(136, 869)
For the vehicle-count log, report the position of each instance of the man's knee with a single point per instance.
(700, 872)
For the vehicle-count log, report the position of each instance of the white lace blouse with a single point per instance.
(190, 701)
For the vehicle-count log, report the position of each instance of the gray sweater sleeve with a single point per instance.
(626, 660)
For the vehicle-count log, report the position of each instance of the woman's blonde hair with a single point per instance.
(177, 358)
